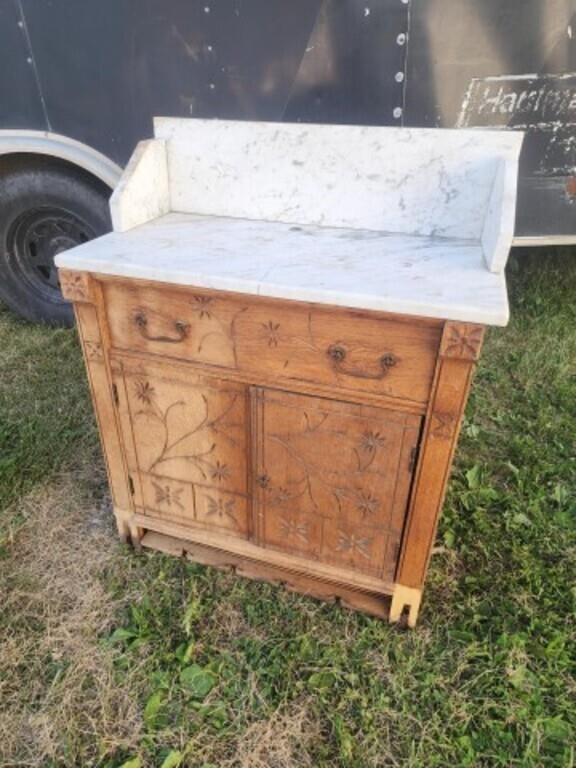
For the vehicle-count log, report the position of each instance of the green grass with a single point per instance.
(44, 416)
(211, 670)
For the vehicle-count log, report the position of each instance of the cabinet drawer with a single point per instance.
(284, 341)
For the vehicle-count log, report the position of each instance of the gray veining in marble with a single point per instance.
(414, 181)
(413, 275)
(414, 221)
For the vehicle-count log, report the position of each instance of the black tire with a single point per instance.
(46, 207)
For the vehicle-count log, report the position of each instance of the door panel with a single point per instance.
(333, 479)
(189, 436)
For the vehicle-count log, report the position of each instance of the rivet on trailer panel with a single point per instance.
(401, 39)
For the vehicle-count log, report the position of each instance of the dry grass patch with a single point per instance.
(284, 740)
(62, 699)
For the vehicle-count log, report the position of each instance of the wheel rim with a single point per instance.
(36, 238)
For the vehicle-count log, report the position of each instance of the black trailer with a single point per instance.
(81, 80)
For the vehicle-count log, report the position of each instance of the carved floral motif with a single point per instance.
(93, 350)
(325, 473)
(343, 484)
(221, 508)
(220, 471)
(178, 445)
(294, 529)
(271, 332)
(202, 305)
(462, 340)
(370, 441)
(352, 543)
(442, 425)
(144, 391)
(367, 504)
(164, 494)
(74, 286)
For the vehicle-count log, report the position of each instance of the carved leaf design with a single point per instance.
(202, 305)
(351, 543)
(370, 441)
(167, 495)
(333, 467)
(144, 391)
(219, 471)
(189, 444)
(367, 504)
(221, 508)
(271, 332)
(294, 529)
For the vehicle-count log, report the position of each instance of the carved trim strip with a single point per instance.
(93, 351)
(463, 340)
(75, 286)
(443, 425)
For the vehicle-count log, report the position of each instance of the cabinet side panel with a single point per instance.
(461, 344)
(102, 399)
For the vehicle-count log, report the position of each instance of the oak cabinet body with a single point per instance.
(280, 334)
(301, 443)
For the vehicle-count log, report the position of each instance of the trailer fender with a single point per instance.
(15, 141)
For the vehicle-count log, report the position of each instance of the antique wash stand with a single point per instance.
(280, 335)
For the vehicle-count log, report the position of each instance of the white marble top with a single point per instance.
(408, 274)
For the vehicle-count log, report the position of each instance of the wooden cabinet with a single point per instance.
(299, 443)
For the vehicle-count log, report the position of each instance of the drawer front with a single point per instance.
(346, 351)
(350, 351)
(188, 325)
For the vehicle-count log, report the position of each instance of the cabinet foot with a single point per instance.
(128, 531)
(402, 597)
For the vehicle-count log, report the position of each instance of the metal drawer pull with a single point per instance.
(337, 355)
(181, 328)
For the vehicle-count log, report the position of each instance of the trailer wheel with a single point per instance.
(46, 207)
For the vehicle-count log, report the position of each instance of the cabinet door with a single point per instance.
(333, 479)
(188, 442)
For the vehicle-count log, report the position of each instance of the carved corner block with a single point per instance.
(76, 286)
(405, 597)
(462, 340)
